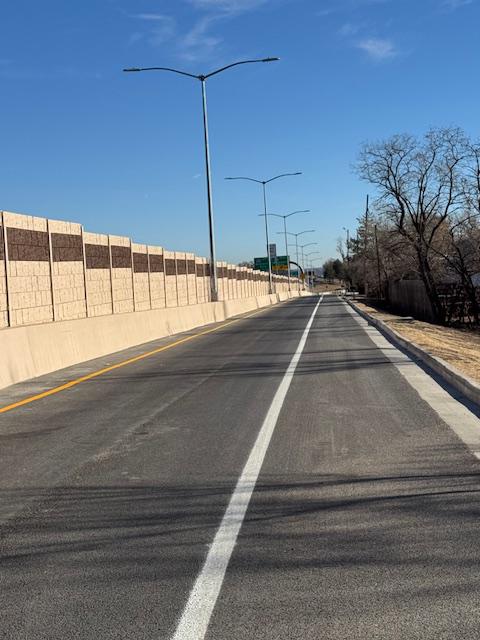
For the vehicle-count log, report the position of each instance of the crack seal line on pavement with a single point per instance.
(196, 615)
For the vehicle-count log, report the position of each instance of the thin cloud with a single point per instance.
(228, 6)
(198, 43)
(349, 29)
(378, 48)
(161, 28)
(452, 5)
(155, 17)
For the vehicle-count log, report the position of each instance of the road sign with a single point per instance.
(280, 263)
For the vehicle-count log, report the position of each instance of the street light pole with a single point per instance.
(203, 78)
(211, 227)
(309, 260)
(312, 260)
(296, 238)
(270, 279)
(303, 247)
(277, 215)
(264, 183)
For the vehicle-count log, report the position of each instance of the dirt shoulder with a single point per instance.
(458, 347)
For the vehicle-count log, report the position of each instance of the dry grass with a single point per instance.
(458, 347)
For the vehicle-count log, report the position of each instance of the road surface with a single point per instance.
(289, 475)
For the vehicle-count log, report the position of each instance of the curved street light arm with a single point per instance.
(243, 178)
(294, 212)
(301, 233)
(283, 175)
(182, 73)
(278, 215)
(236, 64)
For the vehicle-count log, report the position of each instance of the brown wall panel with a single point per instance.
(140, 262)
(28, 245)
(66, 247)
(121, 257)
(156, 263)
(170, 269)
(97, 256)
(181, 267)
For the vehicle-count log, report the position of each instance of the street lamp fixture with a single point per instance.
(265, 214)
(203, 78)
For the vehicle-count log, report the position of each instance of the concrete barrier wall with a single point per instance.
(52, 271)
(34, 350)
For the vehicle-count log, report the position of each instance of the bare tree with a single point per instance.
(419, 184)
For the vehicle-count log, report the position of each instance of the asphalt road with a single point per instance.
(363, 522)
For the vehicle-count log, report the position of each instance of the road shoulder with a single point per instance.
(457, 379)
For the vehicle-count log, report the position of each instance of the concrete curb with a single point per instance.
(464, 385)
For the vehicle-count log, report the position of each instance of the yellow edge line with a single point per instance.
(123, 363)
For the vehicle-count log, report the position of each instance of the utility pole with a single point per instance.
(365, 243)
(378, 263)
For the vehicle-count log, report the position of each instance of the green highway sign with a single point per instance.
(280, 263)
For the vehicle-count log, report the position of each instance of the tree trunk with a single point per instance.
(471, 293)
(431, 288)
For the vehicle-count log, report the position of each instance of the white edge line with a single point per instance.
(461, 420)
(196, 615)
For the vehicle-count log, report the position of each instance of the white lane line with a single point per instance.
(462, 421)
(195, 619)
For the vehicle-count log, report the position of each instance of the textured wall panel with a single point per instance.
(140, 262)
(66, 247)
(121, 257)
(27, 246)
(97, 256)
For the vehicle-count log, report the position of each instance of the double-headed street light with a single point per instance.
(203, 78)
(312, 267)
(265, 214)
(296, 235)
(277, 215)
(310, 260)
(303, 247)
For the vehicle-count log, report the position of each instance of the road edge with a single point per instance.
(461, 383)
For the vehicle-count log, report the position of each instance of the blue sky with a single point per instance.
(122, 153)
